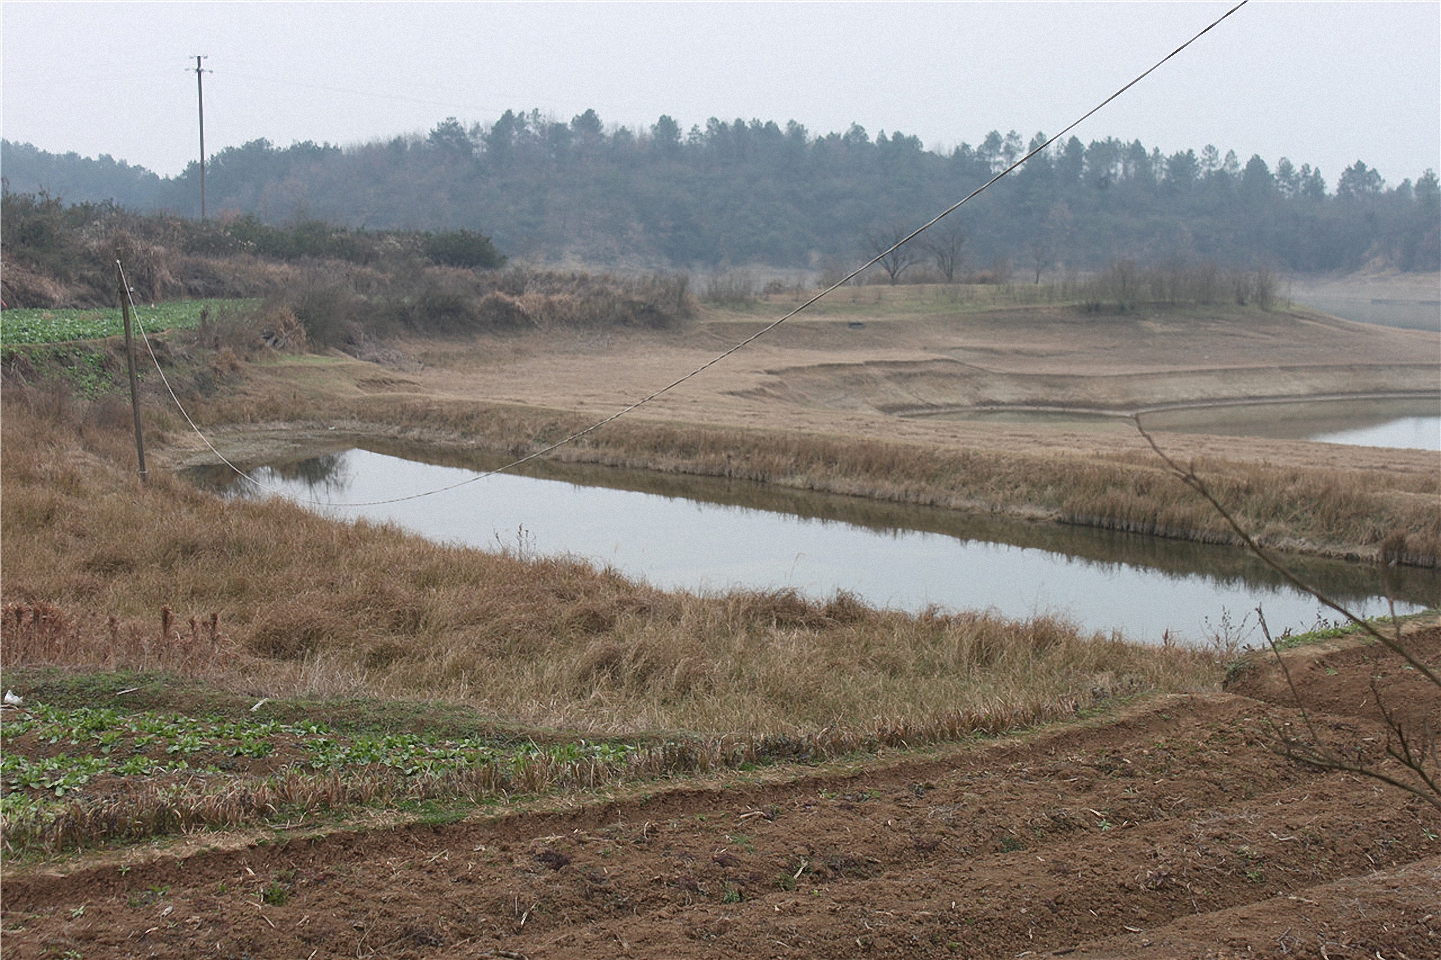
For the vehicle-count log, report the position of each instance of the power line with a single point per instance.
(145, 338)
(630, 408)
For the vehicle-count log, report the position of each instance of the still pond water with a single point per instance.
(702, 534)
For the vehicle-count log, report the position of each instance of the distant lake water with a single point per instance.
(1413, 424)
(1423, 313)
(1403, 433)
(704, 535)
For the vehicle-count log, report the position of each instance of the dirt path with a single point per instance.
(1173, 831)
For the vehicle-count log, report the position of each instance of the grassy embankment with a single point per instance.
(266, 600)
(545, 640)
(1300, 507)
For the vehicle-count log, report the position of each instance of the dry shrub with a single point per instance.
(1393, 547)
(546, 298)
(503, 312)
(235, 333)
(846, 607)
(294, 629)
(649, 666)
(50, 401)
(147, 264)
(232, 277)
(733, 288)
(330, 312)
(781, 607)
(340, 303)
(601, 661)
(23, 286)
(1124, 285)
(225, 362)
(590, 619)
(109, 414)
(383, 653)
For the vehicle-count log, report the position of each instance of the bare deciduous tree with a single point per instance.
(894, 260)
(1412, 744)
(943, 243)
(1040, 251)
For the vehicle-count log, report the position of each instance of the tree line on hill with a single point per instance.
(738, 193)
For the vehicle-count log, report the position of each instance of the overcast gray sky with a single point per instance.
(1324, 83)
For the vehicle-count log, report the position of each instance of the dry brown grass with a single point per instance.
(306, 604)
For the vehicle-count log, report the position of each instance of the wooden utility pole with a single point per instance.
(130, 364)
(200, 99)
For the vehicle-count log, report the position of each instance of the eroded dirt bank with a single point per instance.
(1174, 831)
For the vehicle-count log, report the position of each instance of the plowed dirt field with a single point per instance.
(1171, 830)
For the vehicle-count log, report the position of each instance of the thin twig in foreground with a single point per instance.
(1189, 477)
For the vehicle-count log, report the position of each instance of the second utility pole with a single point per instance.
(200, 94)
(130, 366)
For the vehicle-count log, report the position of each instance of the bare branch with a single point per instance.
(1416, 753)
(1190, 478)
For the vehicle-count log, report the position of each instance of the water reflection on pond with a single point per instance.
(705, 534)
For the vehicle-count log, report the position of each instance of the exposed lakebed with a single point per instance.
(705, 534)
(1398, 424)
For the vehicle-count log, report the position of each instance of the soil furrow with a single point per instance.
(1390, 913)
(1138, 829)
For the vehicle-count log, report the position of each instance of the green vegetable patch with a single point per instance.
(82, 776)
(44, 325)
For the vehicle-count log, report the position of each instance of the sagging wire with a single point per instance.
(145, 339)
(630, 408)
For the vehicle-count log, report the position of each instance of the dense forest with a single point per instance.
(743, 193)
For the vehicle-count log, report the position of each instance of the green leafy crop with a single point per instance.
(43, 325)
